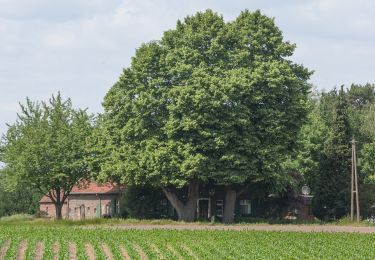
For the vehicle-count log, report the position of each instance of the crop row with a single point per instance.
(79, 243)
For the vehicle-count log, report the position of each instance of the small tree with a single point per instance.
(46, 148)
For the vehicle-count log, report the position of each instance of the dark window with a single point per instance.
(245, 207)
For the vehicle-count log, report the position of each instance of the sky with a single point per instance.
(79, 47)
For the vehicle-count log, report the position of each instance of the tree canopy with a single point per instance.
(211, 101)
(46, 148)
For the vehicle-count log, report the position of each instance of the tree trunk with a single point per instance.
(185, 211)
(58, 207)
(229, 204)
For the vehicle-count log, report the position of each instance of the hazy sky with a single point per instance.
(80, 46)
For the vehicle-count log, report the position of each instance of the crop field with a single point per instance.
(41, 242)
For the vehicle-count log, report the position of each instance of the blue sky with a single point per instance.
(79, 47)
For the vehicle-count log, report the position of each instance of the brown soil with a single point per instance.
(262, 227)
(141, 253)
(22, 250)
(72, 251)
(107, 251)
(124, 253)
(56, 251)
(39, 251)
(4, 248)
(90, 251)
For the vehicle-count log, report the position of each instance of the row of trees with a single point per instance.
(323, 155)
(210, 102)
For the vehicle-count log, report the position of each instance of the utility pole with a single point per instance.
(354, 184)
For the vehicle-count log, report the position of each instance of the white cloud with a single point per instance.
(81, 46)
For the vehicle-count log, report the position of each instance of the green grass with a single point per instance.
(17, 218)
(203, 244)
(28, 220)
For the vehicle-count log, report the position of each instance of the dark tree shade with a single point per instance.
(332, 193)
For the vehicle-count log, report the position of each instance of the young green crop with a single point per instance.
(186, 244)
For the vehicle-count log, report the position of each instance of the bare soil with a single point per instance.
(4, 248)
(39, 251)
(107, 252)
(90, 251)
(124, 253)
(72, 251)
(261, 227)
(56, 251)
(22, 250)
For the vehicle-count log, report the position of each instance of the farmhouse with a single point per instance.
(87, 200)
(254, 204)
(92, 200)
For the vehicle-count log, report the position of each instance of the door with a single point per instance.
(203, 209)
(97, 210)
(82, 212)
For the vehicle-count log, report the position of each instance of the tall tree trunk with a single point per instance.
(229, 204)
(185, 211)
(231, 194)
(58, 198)
(58, 207)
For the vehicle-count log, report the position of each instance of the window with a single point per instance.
(219, 208)
(47, 209)
(88, 209)
(245, 207)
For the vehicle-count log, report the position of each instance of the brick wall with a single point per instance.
(83, 206)
(48, 209)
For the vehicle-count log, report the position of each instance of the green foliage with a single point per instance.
(360, 96)
(368, 162)
(46, 148)
(144, 202)
(367, 199)
(23, 199)
(310, 140)
(210, 101)
(324, 140)
(332, 195)
(368, 121)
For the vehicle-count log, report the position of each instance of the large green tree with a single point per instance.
(210, 102)
(46, 148)
(332, 191)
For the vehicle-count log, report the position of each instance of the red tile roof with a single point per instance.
(94, 188)
(46, 199)
(91, 188)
